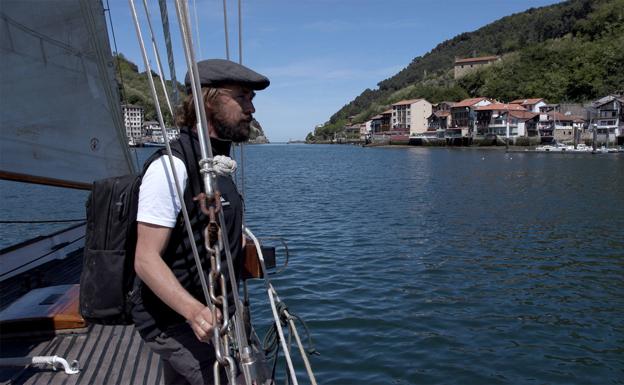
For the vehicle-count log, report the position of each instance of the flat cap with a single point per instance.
(216, 72)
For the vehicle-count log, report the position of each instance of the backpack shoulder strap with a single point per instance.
(183, 149)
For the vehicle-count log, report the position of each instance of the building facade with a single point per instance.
(610, 115)
(468, 65)
(463, 116)
(496, 119)
(133, 120)
(410, 116)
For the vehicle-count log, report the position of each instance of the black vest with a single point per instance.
(151, 315)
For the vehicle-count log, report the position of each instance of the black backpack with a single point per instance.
(108, 277)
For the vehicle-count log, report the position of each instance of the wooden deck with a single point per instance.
(106, 354)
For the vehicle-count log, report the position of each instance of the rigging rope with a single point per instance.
(164, 16)
(227, 37)
(223, 165)
(240, 33)
(240, 61)
(197, 28)
(159, 64)
(110, 20)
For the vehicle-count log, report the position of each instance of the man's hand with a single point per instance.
(203, 324)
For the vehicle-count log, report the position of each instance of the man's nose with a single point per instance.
(248, 107)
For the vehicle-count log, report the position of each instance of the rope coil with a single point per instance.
(220, 165)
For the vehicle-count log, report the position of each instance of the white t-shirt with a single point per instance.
(159, 203)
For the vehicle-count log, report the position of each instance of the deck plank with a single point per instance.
(107, 354)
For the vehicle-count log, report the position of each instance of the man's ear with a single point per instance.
(209, 107)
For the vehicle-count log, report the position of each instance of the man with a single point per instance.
(170, 311)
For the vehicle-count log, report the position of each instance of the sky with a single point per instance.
(318, 54)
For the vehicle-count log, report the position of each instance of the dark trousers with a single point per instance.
(185, 359)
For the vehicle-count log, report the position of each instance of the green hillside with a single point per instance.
(570, 51)
(135, 89)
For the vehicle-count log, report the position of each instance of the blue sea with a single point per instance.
(430, 265)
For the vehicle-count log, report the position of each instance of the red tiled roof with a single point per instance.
(565, 118)
(404, 102)
(501, 106)
(377, 117)
(477, 59)
(387, 112)
(442, 114)
(527, 101)
(468, 102)
(523, 115)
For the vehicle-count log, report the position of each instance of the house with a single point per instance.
(463, 116)
(494, 119)
(385, 121)
(352, 131)
(566, 126)
(609, 115)
(151, 131)
(366, 129)
(560, 127)
(363, 131)
(532, 105)
(410, 116)
(376, 124)
(440, 118)
(467, 65)
(545, 126)
(526, 122)
(133, 120)
(380, 124)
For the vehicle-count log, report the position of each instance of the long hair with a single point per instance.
(185, 114)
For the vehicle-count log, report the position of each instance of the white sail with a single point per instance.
(60, 118)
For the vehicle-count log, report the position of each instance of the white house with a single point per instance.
(532, 105)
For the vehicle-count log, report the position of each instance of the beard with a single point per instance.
(236, 132)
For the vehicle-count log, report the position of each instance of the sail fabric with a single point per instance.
(60, 113)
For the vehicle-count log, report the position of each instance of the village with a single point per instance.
(485, 121)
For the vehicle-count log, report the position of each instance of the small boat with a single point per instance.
(582, 147)
(545, 148)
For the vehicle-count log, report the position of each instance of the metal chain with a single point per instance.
(216, 279)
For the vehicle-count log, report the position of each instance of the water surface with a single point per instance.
(435, 266)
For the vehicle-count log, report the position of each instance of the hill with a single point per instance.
(564, 52)
(135, 89)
